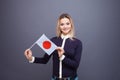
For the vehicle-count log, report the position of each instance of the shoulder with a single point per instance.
(77, 41)
(54, 39)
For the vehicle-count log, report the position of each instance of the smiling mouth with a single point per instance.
(65, 29)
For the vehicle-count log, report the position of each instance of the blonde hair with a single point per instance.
(58, 31)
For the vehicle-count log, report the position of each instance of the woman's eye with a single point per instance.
(67, 23)
(61, 24)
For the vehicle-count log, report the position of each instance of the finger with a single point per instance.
(59, 48)
(26, 52)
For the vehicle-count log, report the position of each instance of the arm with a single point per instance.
(74, 62)
(43, 60)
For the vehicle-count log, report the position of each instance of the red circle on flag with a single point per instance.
(46, 44)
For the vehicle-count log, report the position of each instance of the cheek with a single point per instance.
(61, 27)
(69, 27)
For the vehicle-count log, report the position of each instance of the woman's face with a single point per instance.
(65, 26)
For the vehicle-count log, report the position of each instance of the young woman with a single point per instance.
(66, 57)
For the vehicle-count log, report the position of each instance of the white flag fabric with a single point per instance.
(46, 44)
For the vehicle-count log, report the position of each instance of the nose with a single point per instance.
(65, 26)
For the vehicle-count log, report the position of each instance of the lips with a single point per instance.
(65, 30)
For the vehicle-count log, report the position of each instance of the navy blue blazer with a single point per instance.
(73, 50)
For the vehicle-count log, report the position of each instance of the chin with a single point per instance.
(66, 33)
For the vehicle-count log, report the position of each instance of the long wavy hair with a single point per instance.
(58, 31)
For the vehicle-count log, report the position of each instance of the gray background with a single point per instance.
(97, 25)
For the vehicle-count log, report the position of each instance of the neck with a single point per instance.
(65, 36)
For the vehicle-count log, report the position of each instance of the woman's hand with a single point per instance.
(28, 54)
(60, 51)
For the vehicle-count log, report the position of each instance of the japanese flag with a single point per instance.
(46, 44)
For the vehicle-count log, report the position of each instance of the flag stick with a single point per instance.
(32, 45)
